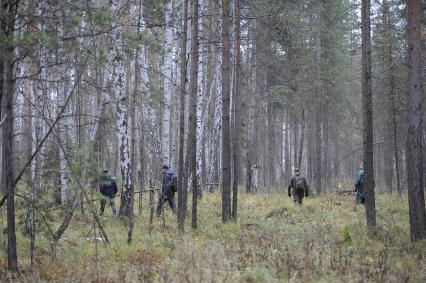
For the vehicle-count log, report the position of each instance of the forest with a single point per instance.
(212, 141)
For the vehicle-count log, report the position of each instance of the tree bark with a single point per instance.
(167, 85)
(318, 154)
(192, 128)
(183, 66)
(9, 9)
(226, 144)
(302, 140)
(414, 152)
(367, 105)
(237, 123)
(387, 95)
(119, 86)
(287, 146)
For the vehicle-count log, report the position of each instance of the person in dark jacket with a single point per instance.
(167, 194)
(298, 187)
(108, 189)
(359, 185)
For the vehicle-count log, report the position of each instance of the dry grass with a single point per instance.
(326, 241)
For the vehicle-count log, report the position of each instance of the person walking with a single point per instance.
(168, 190)
(108, 189)
(298, 187)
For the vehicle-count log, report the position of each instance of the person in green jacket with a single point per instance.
(298, 187)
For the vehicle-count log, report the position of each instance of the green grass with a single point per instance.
(324, 241)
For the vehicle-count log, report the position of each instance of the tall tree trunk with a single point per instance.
(387, 94)
(8, 9)
(167, 85)
(367, 106)
(250, 115)
(237, 123)
(192, 128)
(119, 86)
(318, 154)
(226, 87)
(414, 158)
(181, 189)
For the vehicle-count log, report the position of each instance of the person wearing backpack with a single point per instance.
(108, 190)
(168, 190)
(298, 187)
(359, 185)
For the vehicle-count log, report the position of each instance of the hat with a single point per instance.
(165, 167)
(296, 170)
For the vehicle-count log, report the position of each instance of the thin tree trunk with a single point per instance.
(395, 147)
(271, 144)
(387, 77)
(226, 144)
(182, 190)
(414, 158)
(295, 140)
(318, 153)
(237, 123)
(287, 146)
(367, 106)
(302, 140)
(192, 128)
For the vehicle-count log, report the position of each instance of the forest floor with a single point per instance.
(324, 241)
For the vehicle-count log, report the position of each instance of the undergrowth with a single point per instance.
(273, 241)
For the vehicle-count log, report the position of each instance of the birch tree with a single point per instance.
(167, 83)
(117, 58)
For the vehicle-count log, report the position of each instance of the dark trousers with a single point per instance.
(298, 196)
(165, 198)
(111, 202)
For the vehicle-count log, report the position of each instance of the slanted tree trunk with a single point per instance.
(226, 87)
(318, 174)
(183, 66)
(367, 108)
(237, 123)
(192, 127)
(414, 153)
(8, 10)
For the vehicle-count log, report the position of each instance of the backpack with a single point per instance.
(173, 185)
(299, 183)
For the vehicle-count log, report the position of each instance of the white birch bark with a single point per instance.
(167, 84)
(119, 86)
